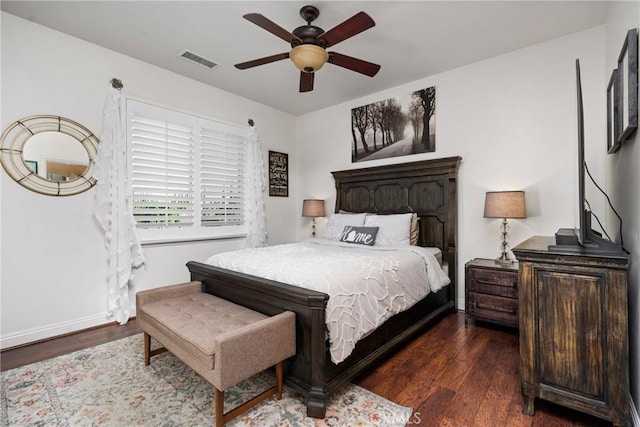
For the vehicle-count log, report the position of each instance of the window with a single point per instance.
(187, 174)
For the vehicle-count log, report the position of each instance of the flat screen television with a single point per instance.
(582, 239)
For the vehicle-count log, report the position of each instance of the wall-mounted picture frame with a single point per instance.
(278, 174)
(628, 76)
(393, 127)
(614, 124)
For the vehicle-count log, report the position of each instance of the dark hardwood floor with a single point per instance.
(46, 349)
(451, 375)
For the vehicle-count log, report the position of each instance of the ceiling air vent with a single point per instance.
(192, 57)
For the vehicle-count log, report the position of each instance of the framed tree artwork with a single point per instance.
(628, 75)
(278, 174)
(393, 127)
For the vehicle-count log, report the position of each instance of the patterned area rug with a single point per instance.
(109, 385)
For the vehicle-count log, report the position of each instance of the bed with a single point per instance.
(427, 188)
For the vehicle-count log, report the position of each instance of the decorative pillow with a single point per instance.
(394, 230)
(359, 235)
(337, 222)
(413, 235)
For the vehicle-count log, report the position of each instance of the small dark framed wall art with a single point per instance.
(614, 124)
(628, 76)
(278, 174)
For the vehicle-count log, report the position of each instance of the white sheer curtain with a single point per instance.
(255, 217)
(114, 210)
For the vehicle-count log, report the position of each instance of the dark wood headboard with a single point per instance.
(428, 188)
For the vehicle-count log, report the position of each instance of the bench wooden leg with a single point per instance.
(279, 377)
(222, 418)
(147, 347)
(219, 408)
(148, 353)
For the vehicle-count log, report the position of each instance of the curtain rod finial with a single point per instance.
(251, 122)
(116, 83)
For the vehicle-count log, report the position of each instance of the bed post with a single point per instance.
(452, 232)
(318, 393)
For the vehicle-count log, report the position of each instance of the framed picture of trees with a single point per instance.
(394, 127)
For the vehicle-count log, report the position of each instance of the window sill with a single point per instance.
(178, 240)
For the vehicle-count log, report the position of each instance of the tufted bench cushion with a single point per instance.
(185, 318)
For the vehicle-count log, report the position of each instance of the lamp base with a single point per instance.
(504, 256)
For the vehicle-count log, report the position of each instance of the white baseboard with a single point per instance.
(36, 334)
(49, 331)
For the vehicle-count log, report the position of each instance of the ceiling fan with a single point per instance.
(309, 44)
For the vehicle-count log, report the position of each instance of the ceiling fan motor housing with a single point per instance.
(308, 35)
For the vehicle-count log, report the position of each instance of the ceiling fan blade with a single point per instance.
(262, 61)
(349, 28)
(306, 81)
(271, 26)
(358, 65)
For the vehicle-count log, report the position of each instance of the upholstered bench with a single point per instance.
(223, 342)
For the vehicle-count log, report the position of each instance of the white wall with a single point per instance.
(512, 119)
(623, 185)
(53, 258)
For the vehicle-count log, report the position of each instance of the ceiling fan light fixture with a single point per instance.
(308, 57)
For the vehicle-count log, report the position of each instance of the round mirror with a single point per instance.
(55, 156)
(49, 155)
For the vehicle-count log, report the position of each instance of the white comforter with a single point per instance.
(366, 284)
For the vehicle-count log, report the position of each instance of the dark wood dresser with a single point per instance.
(574, 345)
(491, 292)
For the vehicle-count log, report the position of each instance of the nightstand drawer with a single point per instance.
(493, 282)
(493, 308)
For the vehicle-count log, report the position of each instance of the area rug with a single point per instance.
(109, 385)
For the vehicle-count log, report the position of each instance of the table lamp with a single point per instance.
(504, 204)
(313, 208)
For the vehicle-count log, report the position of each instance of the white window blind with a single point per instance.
(187, 174)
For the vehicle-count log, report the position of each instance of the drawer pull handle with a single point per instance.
(488, 282)
(502, 309)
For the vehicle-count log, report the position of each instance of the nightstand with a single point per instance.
(491, 292)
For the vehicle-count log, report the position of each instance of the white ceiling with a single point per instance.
(411, 39)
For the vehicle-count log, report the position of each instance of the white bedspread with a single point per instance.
(366, 284)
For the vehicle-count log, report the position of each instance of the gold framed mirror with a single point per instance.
(50, 155)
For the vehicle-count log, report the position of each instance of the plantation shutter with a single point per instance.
(162, 173)
(222, 176)
(187, 174)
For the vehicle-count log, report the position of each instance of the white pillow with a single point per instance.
(337, 222)
(394, 230)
